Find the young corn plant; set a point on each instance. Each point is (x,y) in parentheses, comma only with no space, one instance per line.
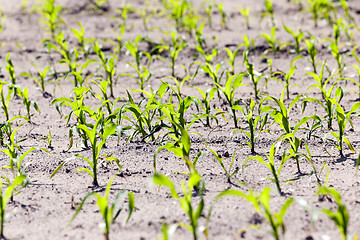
(287,76)
(109,210)
(83,43)
(298,37)
(261,204)
(341,216)
(343,118)
(5,196)
(146,15)
(205,105)
(269,11)
(42,80)
(104,97)
(328,104)
(5,99)
(208,10)
(229,173)
(256,122)
(177,44)
(144,119)
(245,12)
(16,166)
(270,163)
(180,146)
(143,72)
(109,65)
(223,15)
(281,117)
(24,94)
(51,17)
(252,75)
(274,43)
(310,43)
(96,146)
(186,201)
(215,74)
(11,70)
(232,83)
(231,59)
(78,109)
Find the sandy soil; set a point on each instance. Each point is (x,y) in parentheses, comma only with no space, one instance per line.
(43,209)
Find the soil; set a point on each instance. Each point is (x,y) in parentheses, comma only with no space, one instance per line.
(43,209)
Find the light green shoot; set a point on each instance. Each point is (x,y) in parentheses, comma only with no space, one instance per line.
(186,201)
(4,200)
(232,83)
(27,103)
(92,134)
(245,12)
(109,211)
(261,204)
(271,164)
(256,122)
(343,118)
(341,216)
(298,37)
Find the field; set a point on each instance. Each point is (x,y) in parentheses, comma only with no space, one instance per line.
(174,119)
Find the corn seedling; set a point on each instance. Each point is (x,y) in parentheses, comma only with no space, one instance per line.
(108,64)
(146,15)
(223,15)
(99,6)
(310,43)
(83,43)
(281,116)
(229,173)
(208,55)
(232,83)
(204,104)
(143,72)
(6,194)
(328,97)
(298,37)
(341,216)
(177,44)
(269,11)
(51,17)
(124,14)
(271,165)
(208,10)
(180,146)
(274,44)
(186,201)
(251,73)
(78,109)
(256,122)
(109,210)
(24,94)
(103,96)
(215,75)
(143,123)
(10,69)
(5,100)
(96,146)
(245,12)
(42,80)
(343,118)
(261,204)
(231,60)
(288,76)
